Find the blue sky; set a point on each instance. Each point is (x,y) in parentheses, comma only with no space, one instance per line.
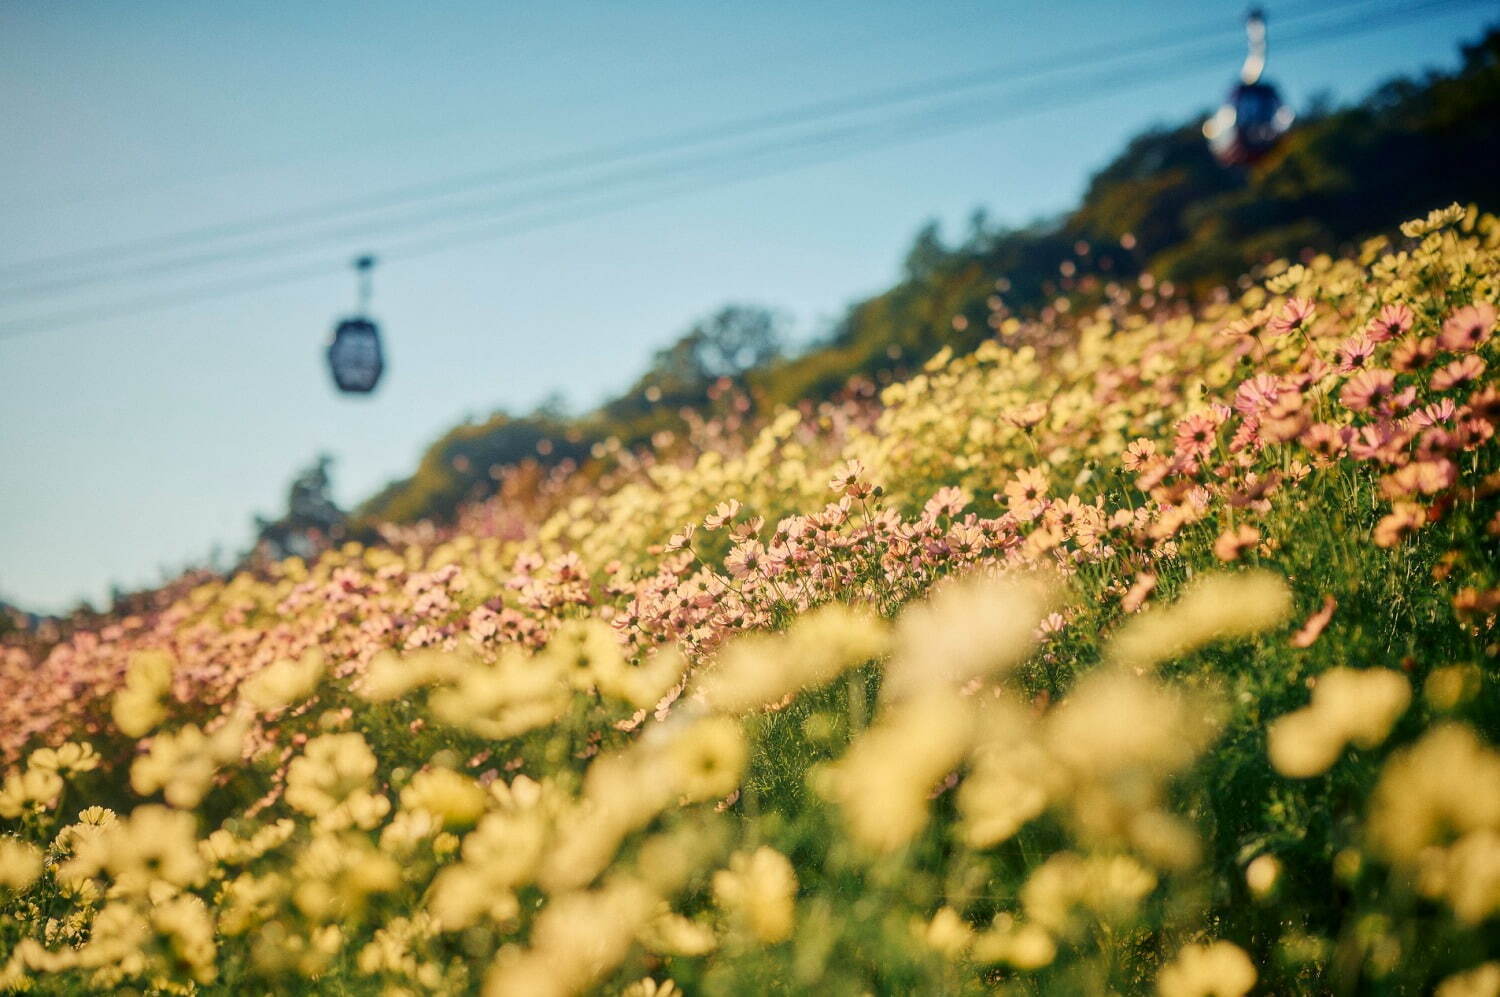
(137,442)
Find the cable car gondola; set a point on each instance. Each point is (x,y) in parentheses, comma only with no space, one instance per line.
(1253,117)
(354,355)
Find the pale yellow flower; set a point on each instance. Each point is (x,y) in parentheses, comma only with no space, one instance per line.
(67,759)
(285,682)
(760,888)
(707,758)
(1481,981)
(1221,606)
(20,864)
(331,768)
(1348,706)
(153,845)
(968,628)
(882,784)
(455,799)
(1218,969)
(33,787)
(648,987)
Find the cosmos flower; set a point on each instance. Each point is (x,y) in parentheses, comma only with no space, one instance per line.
(1294,317)
(1468,327)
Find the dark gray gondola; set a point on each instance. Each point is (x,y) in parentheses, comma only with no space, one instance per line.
(1253,117)
(355,357)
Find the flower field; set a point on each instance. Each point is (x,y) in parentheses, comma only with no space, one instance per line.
(1150,649)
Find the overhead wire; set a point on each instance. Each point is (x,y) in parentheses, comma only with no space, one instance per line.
(111,256)
(822,147)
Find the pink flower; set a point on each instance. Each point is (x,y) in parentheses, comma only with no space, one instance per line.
(1195,435)
(847,476)
(1459,373)
(1246,437)
(1140,590)
(1365,389)
(483,622)
(1435,414)
(1404,520)
(1427,477)
(1027,495)
(722,514)
(1353,354)
(946,502)
(1379,441)
(1027,415)
(1053,624)
(683,539)
(1468,327)
(745,559)
(1316,623)
(1413,354)
(1249,325)
(1232,543)
(1394,321)
(1068,513)
(1294,316)
(1256,394)
(1138,454)
(1485,403)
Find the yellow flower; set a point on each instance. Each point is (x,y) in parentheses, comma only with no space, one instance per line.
(706,759)
(1024,946)
(137,707)
(1222,606)
(647,987)
(452,798)
(1466,874)
(506,699)
(1262,875)
(34,787)
(1218,969)
(758,670)
(577,939)
(947,933)
(669,933)
(883,782)
(586,654)
(760,888)
(182,764)
(331,768)
(285,682)
(1451,685)
(1009,779)
(1446,784)
(644,685)
(154,845)
(136,710)
(1481,981)
(969,627)
(20,864)
(1348,706)
(1109,887)
(188,929)
(67,759)
(334,874)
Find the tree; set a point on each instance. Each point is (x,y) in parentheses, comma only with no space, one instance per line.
(312,522)
(733,340)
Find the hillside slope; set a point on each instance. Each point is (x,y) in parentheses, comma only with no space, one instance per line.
(1162,207)
(1158,651)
